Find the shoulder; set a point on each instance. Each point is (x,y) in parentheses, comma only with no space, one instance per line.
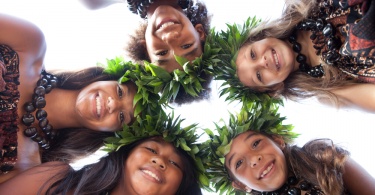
(34,179)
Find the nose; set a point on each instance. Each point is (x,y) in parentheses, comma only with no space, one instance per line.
(159,162)
(171,36)
(264,62)
(255,160)
(112,105)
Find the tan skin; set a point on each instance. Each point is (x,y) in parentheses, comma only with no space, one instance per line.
(64,107)
(255,151)
(154,155)
(262,64)
(169,32)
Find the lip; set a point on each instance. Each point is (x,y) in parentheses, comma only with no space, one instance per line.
(145,172)
(264,168)
(277,66)
(164,21)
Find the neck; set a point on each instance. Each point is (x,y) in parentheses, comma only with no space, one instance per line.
(60,107)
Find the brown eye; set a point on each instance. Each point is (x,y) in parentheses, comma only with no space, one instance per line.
(252,54)
(122,117)
(186,46)
(259,77)
(120,92)
(256,143)
(239,163)
(162,53)
(151,150)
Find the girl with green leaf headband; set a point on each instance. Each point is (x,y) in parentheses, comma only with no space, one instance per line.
(321,49)
(252,155)
(154,155)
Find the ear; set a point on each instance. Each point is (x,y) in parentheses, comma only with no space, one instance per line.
(199,28)
(279,141)
(239,186)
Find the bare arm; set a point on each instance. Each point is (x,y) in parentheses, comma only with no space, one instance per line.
(31,181)
(360,96)
(357,180)
(22,36)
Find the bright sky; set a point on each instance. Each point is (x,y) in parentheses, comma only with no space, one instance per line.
(77,37)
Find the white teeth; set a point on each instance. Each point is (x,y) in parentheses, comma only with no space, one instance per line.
(166,24)
(276,59)
(151,174)
(98,105)
(266,171)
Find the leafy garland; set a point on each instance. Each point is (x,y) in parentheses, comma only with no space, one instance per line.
(261,117)
(152,78)
(170,130)
(229,42)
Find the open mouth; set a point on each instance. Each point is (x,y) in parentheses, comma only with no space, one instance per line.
(267,170)
(276,59)
(151,174)
(166,23)
(98,105)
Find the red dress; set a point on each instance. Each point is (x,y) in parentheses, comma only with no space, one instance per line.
(9,97)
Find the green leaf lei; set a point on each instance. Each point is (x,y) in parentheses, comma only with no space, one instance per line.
(259,116)
(229,42)
(170,130)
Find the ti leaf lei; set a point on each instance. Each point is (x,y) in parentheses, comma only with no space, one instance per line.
(261,117)
(229,42)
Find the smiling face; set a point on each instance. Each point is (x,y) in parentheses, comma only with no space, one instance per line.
(265,63)
(170,32)
(106,105)
(257,162)
(153,167)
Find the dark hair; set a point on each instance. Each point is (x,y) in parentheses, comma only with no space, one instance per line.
(72,80)
(72,143)
(104,175)
(319,162)
(136,48)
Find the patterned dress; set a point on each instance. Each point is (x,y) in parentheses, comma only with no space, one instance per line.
(9,97)
(355,25)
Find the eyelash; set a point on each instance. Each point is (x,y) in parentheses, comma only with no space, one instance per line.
(258,76)
(162,53)
(239,163)
(119,91)
(252,54)
(256,143)
(186,46)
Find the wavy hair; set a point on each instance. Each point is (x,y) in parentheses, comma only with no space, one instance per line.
(319,162)
(104,176)
(298,85)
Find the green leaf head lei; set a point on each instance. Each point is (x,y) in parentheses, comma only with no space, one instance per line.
(259,116)
(230,41)
(169,128)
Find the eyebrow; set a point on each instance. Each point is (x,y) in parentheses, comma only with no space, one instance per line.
(247,137)
(190,52)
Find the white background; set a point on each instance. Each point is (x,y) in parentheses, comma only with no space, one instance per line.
(78,37)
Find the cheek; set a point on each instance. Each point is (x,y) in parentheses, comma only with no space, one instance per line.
(109,124)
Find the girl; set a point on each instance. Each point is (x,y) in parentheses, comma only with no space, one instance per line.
(317,48)
(152,161)
(84,99)
(259,159)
